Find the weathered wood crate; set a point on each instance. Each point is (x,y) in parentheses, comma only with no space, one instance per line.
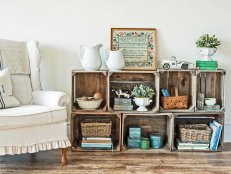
(196,118)
(126,80)
(182,81)
(210,84)
(149,124)
(86,83)
(80,117)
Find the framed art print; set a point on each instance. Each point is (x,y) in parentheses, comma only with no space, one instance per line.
(139,46)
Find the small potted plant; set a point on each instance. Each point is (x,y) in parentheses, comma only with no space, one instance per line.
(208,46)
(142,96)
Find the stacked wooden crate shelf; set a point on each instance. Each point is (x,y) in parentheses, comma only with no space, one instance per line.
(149,124)
(211,84)
(156,119)
(196,118)
(126,80)
(76,133)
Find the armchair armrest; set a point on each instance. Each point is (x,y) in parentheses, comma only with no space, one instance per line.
(50,98)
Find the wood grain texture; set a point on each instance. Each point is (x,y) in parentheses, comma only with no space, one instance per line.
(119,163)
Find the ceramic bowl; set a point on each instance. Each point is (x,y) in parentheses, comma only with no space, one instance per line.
(210,101)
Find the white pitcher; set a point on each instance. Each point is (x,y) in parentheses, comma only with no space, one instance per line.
(90,57)
(114,59)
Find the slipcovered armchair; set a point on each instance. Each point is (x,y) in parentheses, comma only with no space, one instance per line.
(31,119)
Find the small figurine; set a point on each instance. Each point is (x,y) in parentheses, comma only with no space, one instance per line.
(120,92)
(172,63)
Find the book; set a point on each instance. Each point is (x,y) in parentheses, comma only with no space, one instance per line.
(96,142)
(122,101)
(123,107)
(191,144)
(215,138)
(218,135)
(193,148)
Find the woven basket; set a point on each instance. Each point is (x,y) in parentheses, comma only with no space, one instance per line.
(96,128)
(176,102)
(194,133)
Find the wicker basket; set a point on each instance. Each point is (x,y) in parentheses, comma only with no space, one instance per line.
(176,102)
(96,128)
(194,133)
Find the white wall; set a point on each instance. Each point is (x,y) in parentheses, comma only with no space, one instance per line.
(61,26)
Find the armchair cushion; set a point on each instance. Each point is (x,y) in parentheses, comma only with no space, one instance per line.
(6,98)
(31,115)
(50,98)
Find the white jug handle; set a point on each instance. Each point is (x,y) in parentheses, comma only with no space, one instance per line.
(106,54)
(81,52)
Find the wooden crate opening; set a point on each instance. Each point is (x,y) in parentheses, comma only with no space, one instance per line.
(181,84)
(87,84)
(149,124)
(197,119)
(126,80)
(77,135)
(210,84)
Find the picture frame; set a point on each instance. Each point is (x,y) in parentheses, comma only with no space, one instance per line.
(139,46)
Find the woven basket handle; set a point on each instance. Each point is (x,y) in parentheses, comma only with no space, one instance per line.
(176,91)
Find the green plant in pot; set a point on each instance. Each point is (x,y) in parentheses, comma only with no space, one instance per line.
(208,46)
(142,96)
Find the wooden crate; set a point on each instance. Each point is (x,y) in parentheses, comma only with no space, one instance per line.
(86,83)
(149,123)
(126,80)
(76,135)
(197,118)
(211,84)
(184,81)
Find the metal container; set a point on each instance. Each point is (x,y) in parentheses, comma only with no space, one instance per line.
(156,141)
(133,142)
(145,144)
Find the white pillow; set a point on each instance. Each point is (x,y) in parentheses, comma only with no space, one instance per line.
(7,100)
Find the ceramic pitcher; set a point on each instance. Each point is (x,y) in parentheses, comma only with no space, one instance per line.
(114,59)
(90,57)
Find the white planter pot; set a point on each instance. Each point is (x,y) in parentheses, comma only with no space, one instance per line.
(142,102)
(207,53)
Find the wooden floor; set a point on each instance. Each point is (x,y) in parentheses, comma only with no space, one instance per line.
(116,163)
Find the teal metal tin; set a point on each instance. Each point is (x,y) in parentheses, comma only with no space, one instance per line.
(134,132)
(133,142)
(145,144)
(156,141)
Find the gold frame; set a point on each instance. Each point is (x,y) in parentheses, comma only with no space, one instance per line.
(150,33)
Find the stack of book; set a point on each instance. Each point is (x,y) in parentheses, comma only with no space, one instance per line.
(191,145)
(97,143)
(122,104)
(216,134)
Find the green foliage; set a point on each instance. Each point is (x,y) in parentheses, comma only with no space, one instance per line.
(143,91)
(208,41)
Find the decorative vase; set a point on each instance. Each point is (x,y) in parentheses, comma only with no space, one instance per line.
(142,102)
(207,53)
(90,57)
(114,60)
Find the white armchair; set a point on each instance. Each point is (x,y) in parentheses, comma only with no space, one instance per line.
(39,123)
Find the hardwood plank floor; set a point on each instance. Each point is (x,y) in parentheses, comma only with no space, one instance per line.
(119,162)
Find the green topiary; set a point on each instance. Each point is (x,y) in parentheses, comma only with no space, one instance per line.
(143,91)
(208,41)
